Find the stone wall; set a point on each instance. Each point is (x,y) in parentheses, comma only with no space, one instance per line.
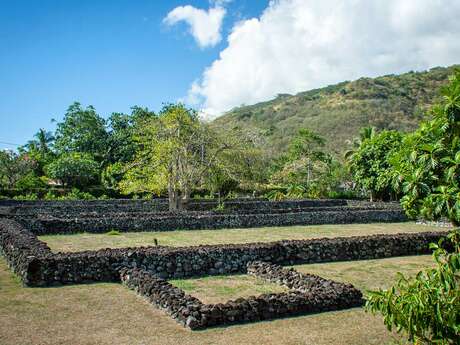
(37,266)
(290,278)
(54,217)
(167,221)
(22,251)
(72,208)
(317,295)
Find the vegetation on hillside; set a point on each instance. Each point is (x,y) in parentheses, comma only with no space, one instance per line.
(337,112)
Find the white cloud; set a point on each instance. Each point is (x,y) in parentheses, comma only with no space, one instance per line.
(205,26)
(297,45)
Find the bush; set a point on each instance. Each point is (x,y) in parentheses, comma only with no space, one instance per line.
(427,306)
(28,196)
(346,194)
(76,194)
(29,182)
(74,169)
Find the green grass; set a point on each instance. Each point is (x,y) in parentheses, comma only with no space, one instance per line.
(365,275)
(87,241)
(113,233)
(219,289)
(110,314)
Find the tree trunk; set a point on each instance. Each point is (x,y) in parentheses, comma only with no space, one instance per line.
(173,198)
(184,199)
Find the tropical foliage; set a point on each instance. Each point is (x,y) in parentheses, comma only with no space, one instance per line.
(429,167)
(306,170)
(371,166)
(427,306)
(74,169)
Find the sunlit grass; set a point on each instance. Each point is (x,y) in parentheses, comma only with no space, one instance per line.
(87,241)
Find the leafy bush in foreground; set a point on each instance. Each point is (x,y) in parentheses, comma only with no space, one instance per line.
(427,306)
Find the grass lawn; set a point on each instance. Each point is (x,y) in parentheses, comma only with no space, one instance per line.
(364,275)
(219,289)
(112,314)
(87,241)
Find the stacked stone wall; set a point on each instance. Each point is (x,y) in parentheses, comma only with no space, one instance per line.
(37,266)
(318,295)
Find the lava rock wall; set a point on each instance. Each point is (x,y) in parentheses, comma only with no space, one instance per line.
(317,295)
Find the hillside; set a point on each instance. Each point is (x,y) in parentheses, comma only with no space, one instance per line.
(338,111)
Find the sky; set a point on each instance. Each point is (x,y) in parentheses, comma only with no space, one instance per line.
(212,55)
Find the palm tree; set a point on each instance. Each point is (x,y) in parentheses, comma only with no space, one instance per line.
(42,142)
(364,134)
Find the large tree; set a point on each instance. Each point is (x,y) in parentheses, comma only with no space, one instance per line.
(40,149)
(74,169)
(121,129)
(179,153)
(82,130)
(305,170)
(176,151)
(429,168)
(371,165)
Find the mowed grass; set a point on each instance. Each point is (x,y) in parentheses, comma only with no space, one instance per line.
(219,289)
(364,275)
(106,314)
(87,241)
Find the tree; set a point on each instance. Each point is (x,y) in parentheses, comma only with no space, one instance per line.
(40,150)
(13,167)
(242,161)
(42,142)
(429,167)
(306,146)
(121,145)
(82,130)
(176,151)
(371,167)
(179,153)
(302,171)
(364,133)
(74,169)
(426,306)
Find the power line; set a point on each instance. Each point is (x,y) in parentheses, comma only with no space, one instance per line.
(7,143)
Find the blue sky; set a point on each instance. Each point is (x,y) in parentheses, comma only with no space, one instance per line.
(112,54)
(212,54)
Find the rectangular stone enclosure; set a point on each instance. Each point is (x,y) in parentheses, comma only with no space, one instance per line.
(307,294)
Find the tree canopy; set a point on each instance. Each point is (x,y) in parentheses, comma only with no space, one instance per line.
(82,130)
(429,169)
(371,167)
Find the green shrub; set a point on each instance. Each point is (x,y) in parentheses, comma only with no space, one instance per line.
(30,181)
(74,169)
(113,232)
(220,207)
(346,194)
(28,196)
(76,194)
(426,307)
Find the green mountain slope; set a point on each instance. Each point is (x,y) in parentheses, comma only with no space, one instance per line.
(338,111)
